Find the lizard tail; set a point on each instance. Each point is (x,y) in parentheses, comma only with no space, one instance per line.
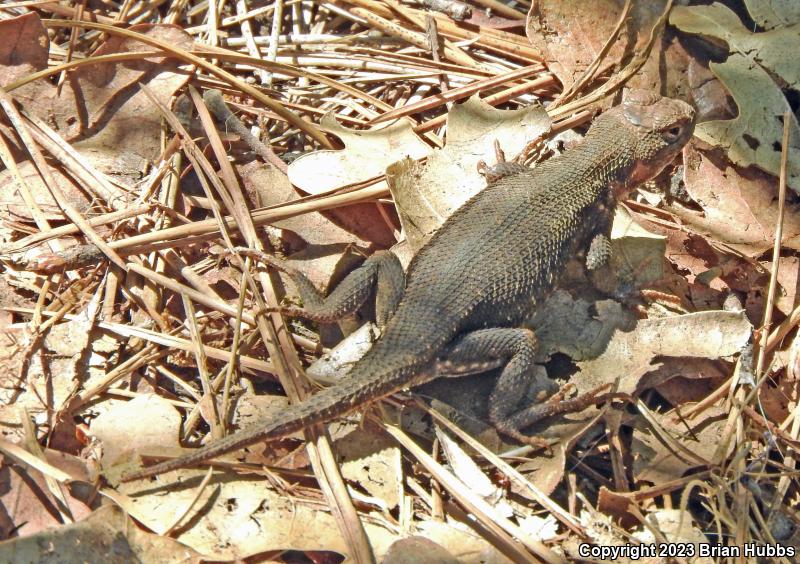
(350,393)
(398,360)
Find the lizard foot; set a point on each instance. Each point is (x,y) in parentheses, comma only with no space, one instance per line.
(555,405)
(559,406)
(501,169)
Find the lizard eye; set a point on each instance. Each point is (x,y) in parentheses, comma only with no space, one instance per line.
(671,134)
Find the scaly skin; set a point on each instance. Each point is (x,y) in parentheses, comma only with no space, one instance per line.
(486,268)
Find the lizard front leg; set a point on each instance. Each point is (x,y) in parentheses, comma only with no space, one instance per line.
(514,349)
(599,252)
(381,275)
(597,259)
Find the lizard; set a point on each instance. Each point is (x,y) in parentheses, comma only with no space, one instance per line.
(460,306)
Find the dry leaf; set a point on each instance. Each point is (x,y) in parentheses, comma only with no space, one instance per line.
(789,282)
(629,355)
(28,506)
(773,13)
(636,256)
(418,549)
(238,517)
(473,478)
(426,194)
(144,422)
(461,541)
(48,380)
(366,155)
(625,354)
(738,209)
(684,380)
(100,110)
(754,137)
(15,207)
(373,462)
(677,527)
(336,362)
(571,34)
(656,461)
(567,325)
(357,224)
(107,535)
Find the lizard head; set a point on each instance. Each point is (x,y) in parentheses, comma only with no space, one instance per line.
(659,128)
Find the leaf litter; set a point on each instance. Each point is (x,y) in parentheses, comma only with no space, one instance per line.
(757,70)
(104,382)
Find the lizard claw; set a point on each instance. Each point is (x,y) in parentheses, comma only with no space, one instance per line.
(502,168)
(561,394)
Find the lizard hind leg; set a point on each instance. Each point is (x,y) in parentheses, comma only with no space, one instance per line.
(381,275)
(519,381)
(514,350)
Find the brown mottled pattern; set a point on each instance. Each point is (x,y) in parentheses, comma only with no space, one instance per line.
(493,259)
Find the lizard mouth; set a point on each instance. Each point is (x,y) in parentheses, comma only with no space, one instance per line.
(641,173)
(644,170)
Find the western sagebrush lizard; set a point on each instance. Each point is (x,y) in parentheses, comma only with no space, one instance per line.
(470,287)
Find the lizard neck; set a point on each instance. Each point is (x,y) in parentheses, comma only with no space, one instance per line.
(601,163)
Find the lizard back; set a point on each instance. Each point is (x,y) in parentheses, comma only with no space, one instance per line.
(506,247)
